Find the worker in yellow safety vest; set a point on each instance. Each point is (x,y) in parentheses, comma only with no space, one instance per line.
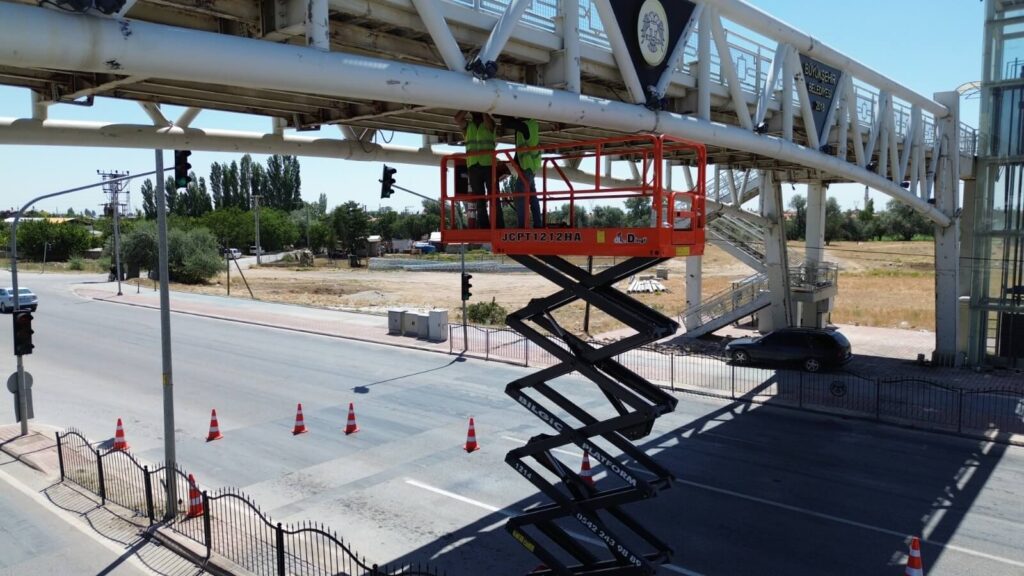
(529,161)
(480,143)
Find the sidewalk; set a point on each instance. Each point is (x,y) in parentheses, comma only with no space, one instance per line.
(149,549)
(336,323)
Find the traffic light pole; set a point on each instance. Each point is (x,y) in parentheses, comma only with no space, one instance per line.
(22,392)
(407,191)
(170,457)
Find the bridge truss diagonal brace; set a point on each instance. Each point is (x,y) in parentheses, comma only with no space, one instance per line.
(635,404)
(155,50)
(485,64)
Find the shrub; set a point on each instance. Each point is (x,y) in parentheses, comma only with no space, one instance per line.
(487,313)
(76,263)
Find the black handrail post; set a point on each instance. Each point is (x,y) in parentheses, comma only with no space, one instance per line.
(99,469)
(960,412)
(800,391)
(60,456)
(149,494)
(878,399)
(732,380)
(207,533)
(280,550)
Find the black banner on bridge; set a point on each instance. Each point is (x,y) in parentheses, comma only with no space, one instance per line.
(822,83)
(652,29)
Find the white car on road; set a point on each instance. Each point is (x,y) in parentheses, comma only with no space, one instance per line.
(26,299)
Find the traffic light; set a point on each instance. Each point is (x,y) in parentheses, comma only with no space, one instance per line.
(466,286)
(23,333)
(181,168)
(386,181)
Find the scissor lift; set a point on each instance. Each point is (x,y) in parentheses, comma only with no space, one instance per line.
(607,432)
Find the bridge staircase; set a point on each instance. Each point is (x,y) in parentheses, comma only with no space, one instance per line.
(741,235)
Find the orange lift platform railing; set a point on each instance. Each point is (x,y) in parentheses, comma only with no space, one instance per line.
(628,546)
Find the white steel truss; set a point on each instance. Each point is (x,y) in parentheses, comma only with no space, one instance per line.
(133,53)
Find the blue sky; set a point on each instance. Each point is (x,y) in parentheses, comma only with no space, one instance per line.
(927,45)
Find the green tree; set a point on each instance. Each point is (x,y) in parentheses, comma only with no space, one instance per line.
(638,212)
(903,222)
(217,185)
(277,229)
(608,217)
(796,227)
(63,240)
(231,188)
(193,257)
(385,224)
(233,227)
(245,180)
(833,220)
(148,200)
(139,247)
(351,225)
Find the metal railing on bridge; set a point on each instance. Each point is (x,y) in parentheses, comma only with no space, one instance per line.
(752,60)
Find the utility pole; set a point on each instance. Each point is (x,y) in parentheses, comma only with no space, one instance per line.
(256,217)
(114,190)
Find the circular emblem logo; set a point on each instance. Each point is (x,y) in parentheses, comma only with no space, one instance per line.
(652,32)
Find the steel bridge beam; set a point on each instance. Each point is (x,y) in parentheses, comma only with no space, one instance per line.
(39,38)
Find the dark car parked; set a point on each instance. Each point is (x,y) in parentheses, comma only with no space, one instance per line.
(813,349)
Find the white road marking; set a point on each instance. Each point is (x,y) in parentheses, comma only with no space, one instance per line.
(506,512)
(832,518)
(854,523)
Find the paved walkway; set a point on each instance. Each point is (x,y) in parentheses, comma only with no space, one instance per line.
(352,325)
(878,352)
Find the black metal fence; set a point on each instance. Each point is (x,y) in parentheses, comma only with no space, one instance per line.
(231,524)
(912,402)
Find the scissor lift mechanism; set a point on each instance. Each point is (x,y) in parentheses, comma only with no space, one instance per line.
(628,547)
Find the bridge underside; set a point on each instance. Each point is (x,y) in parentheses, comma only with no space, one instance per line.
(761,96)
(535,54)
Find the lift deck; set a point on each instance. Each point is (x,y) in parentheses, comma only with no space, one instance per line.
(676,229)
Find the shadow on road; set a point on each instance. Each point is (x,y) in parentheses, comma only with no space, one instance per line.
(119,530)
(765,490)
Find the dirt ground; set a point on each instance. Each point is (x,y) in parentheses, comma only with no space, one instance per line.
(884,284)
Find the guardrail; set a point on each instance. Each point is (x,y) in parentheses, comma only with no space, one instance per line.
(231,523)
(906,401)
(752,60)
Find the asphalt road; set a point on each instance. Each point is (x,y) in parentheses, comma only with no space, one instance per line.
(761,490)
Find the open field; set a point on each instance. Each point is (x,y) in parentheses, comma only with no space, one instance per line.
(885,284)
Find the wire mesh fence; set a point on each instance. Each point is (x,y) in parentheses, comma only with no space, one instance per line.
(227,523)
(905,401)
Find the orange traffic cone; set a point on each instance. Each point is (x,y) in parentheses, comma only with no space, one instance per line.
(214,427)
(119,442)
(471,445)
(586,474)
(351,427)
(300,423)
(914,566)
(195,499)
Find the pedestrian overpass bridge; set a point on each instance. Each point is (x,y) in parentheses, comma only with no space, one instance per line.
(770,103)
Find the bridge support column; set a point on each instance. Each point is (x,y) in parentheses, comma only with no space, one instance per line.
(815,249)
(947,187)
(778,314)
